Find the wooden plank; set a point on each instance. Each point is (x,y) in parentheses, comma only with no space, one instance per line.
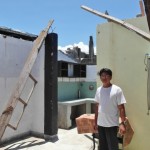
(22,101)
(6,116)
(120,22)
(35,81)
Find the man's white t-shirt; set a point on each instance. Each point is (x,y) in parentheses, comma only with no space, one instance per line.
(109,99)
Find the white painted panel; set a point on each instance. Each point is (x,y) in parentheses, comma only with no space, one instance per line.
(77,79)
(13,54)
(59,79)
(91,73)
(72,79)
(65,79)
(70,70)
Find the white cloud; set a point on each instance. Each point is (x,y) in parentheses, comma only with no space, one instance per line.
(84,47)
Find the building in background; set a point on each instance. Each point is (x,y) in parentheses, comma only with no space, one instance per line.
(75,78)
(82,57)
(77,73)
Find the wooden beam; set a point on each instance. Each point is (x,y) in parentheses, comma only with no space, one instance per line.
(128,26)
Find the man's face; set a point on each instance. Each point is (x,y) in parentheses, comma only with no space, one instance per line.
(105,78)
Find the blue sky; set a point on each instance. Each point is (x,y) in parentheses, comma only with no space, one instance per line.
(71,23)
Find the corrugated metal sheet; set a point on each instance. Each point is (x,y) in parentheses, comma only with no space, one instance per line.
(63,57)
(17,34)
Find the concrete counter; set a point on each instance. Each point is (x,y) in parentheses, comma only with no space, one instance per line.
(69,110)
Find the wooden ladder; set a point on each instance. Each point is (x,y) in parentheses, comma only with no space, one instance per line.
(24,75)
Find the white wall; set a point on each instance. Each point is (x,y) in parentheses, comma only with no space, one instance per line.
(91,73)
(13,54)
(123,51)
(70,70)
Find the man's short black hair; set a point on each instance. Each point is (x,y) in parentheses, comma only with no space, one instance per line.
(105,70)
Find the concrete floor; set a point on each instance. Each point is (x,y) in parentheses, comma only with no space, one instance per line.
(68,140)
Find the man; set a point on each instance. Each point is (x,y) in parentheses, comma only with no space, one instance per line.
(110,105)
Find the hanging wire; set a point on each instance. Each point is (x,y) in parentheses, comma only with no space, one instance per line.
(53,29)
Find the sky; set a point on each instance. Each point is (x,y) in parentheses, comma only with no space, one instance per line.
(72,24)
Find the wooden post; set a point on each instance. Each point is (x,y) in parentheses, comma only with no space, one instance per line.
(51,98)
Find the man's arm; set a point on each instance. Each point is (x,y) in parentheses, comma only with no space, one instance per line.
(96,115)
(122,112)
(123,118)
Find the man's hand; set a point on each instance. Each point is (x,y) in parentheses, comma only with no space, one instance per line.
(122,129)
(96,115)
(96,127)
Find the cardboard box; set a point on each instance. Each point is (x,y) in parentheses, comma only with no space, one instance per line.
(85,123)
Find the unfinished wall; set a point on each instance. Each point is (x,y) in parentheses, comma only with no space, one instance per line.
(123,51)
(13,54)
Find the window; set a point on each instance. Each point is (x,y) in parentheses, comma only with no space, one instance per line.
(71,70)
(62,69)
(80,70)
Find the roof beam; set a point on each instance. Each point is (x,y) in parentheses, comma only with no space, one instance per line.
(120,22)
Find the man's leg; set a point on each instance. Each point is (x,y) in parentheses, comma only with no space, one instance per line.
(111,136)
(102,139)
